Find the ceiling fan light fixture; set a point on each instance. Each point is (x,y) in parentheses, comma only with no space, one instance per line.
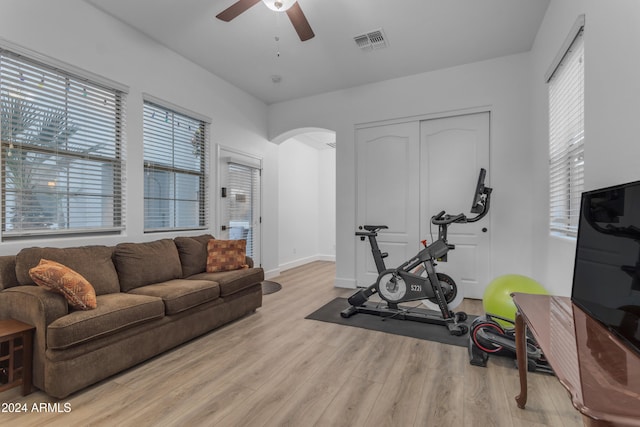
(291,7)
(279,5)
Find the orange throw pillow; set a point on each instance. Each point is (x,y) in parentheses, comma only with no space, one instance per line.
(56,277)
(225,255)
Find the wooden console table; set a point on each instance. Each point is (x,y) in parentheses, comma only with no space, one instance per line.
(16,355)
(601,374)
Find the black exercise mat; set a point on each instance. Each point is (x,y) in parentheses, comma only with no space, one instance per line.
(330,312)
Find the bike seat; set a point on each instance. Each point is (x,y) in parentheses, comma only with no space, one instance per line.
(374,227)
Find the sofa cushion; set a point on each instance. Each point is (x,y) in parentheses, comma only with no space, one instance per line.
(233,281)
(180,294)
(193,253)
(140,264)
(115,312)
(225,255)
(58,278)
(92,262)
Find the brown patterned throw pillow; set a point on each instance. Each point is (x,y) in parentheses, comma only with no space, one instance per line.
(56,277)
(225,255)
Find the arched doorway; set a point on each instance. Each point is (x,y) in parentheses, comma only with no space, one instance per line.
(307,190)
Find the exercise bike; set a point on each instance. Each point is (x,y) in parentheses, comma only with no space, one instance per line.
(417,279)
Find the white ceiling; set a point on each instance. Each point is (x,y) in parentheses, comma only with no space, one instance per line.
(422,35)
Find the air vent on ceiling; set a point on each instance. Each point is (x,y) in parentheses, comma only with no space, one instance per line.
(371,40)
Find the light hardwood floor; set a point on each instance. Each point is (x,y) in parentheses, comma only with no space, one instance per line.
(275,368)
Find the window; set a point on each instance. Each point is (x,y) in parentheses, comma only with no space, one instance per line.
(175,165)
(62,149)
(243,204)
(566,138)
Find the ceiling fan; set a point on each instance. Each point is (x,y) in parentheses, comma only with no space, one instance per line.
(294,12)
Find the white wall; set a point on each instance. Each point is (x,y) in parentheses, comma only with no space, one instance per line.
(306,204)
(79,34)
(501,85)
(327,205)
(612,108)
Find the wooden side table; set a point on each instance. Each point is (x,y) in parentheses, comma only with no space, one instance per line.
(16,355)
(600,373)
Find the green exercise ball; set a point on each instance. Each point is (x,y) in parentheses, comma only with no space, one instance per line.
(497,297)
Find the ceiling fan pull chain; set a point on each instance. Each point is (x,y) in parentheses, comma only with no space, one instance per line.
(278,35)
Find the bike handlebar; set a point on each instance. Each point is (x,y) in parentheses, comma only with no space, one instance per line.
(437,216)
(442,219)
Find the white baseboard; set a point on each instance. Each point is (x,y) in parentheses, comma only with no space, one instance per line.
(272,273)
(345,283)
(302,261)
(339,282)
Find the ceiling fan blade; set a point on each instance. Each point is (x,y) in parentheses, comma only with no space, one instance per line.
(300,22)
(236,9)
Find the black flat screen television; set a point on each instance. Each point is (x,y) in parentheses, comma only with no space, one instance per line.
(606,277)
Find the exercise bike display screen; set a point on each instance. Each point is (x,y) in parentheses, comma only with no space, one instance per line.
(479,195)
(606,278)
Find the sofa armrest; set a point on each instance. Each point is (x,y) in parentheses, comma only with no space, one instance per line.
(33,305)
(37,307)
(249,261)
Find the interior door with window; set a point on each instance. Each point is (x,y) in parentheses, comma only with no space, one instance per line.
(240,189)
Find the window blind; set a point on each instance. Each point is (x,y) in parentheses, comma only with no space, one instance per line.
(175,165)
(62,150)
(566,140)
(243,208)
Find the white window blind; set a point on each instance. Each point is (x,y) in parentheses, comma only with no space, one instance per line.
(175,165)
(566,139)
(62,150)
(243,208)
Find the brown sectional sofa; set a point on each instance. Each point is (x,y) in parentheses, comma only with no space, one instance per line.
(150,297)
